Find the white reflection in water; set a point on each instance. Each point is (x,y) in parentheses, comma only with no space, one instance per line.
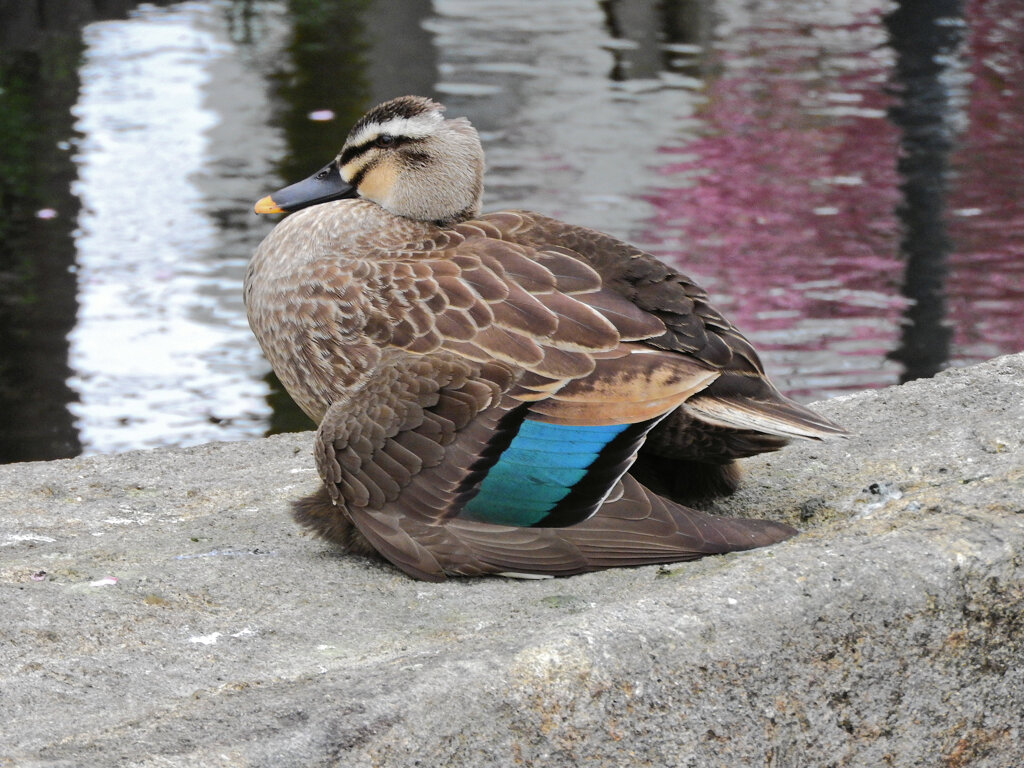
(154,299)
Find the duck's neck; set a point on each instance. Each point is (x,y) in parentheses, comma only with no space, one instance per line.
(470,212)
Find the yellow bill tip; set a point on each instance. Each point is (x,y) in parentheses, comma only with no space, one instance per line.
(267,205)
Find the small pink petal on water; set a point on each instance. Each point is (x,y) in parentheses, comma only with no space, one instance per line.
(321,115)
(46,213)
(106,581)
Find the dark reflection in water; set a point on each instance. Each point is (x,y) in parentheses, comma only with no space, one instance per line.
(372,51)
(657,37)
(926,35)
(40,50)
(40,46)
(325,38)
(38,85)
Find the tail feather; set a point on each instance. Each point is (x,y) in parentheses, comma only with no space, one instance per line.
(779,416)
(639,528)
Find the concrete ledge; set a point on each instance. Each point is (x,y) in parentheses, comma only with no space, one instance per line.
(890,633)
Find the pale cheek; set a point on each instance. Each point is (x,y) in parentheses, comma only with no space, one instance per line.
(378,183)
(350,170)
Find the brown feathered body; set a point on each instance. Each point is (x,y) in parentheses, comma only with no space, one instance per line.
(491,389)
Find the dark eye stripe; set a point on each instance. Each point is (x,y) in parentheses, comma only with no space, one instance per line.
(350,153)
(356,180)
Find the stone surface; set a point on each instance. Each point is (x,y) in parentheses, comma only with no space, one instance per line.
(889,634)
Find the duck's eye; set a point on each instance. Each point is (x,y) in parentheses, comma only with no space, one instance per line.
(387,140)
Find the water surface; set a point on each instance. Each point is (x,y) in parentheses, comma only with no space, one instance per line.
(848,183)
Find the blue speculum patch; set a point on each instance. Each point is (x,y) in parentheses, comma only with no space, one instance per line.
(537,470)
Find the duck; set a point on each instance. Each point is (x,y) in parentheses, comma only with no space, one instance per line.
(500,393)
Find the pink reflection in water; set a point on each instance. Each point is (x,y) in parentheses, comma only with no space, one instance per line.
(986,287)
(786,207)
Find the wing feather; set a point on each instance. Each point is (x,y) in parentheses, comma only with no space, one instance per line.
(479,336)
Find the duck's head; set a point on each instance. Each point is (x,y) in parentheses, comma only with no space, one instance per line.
(404,156)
